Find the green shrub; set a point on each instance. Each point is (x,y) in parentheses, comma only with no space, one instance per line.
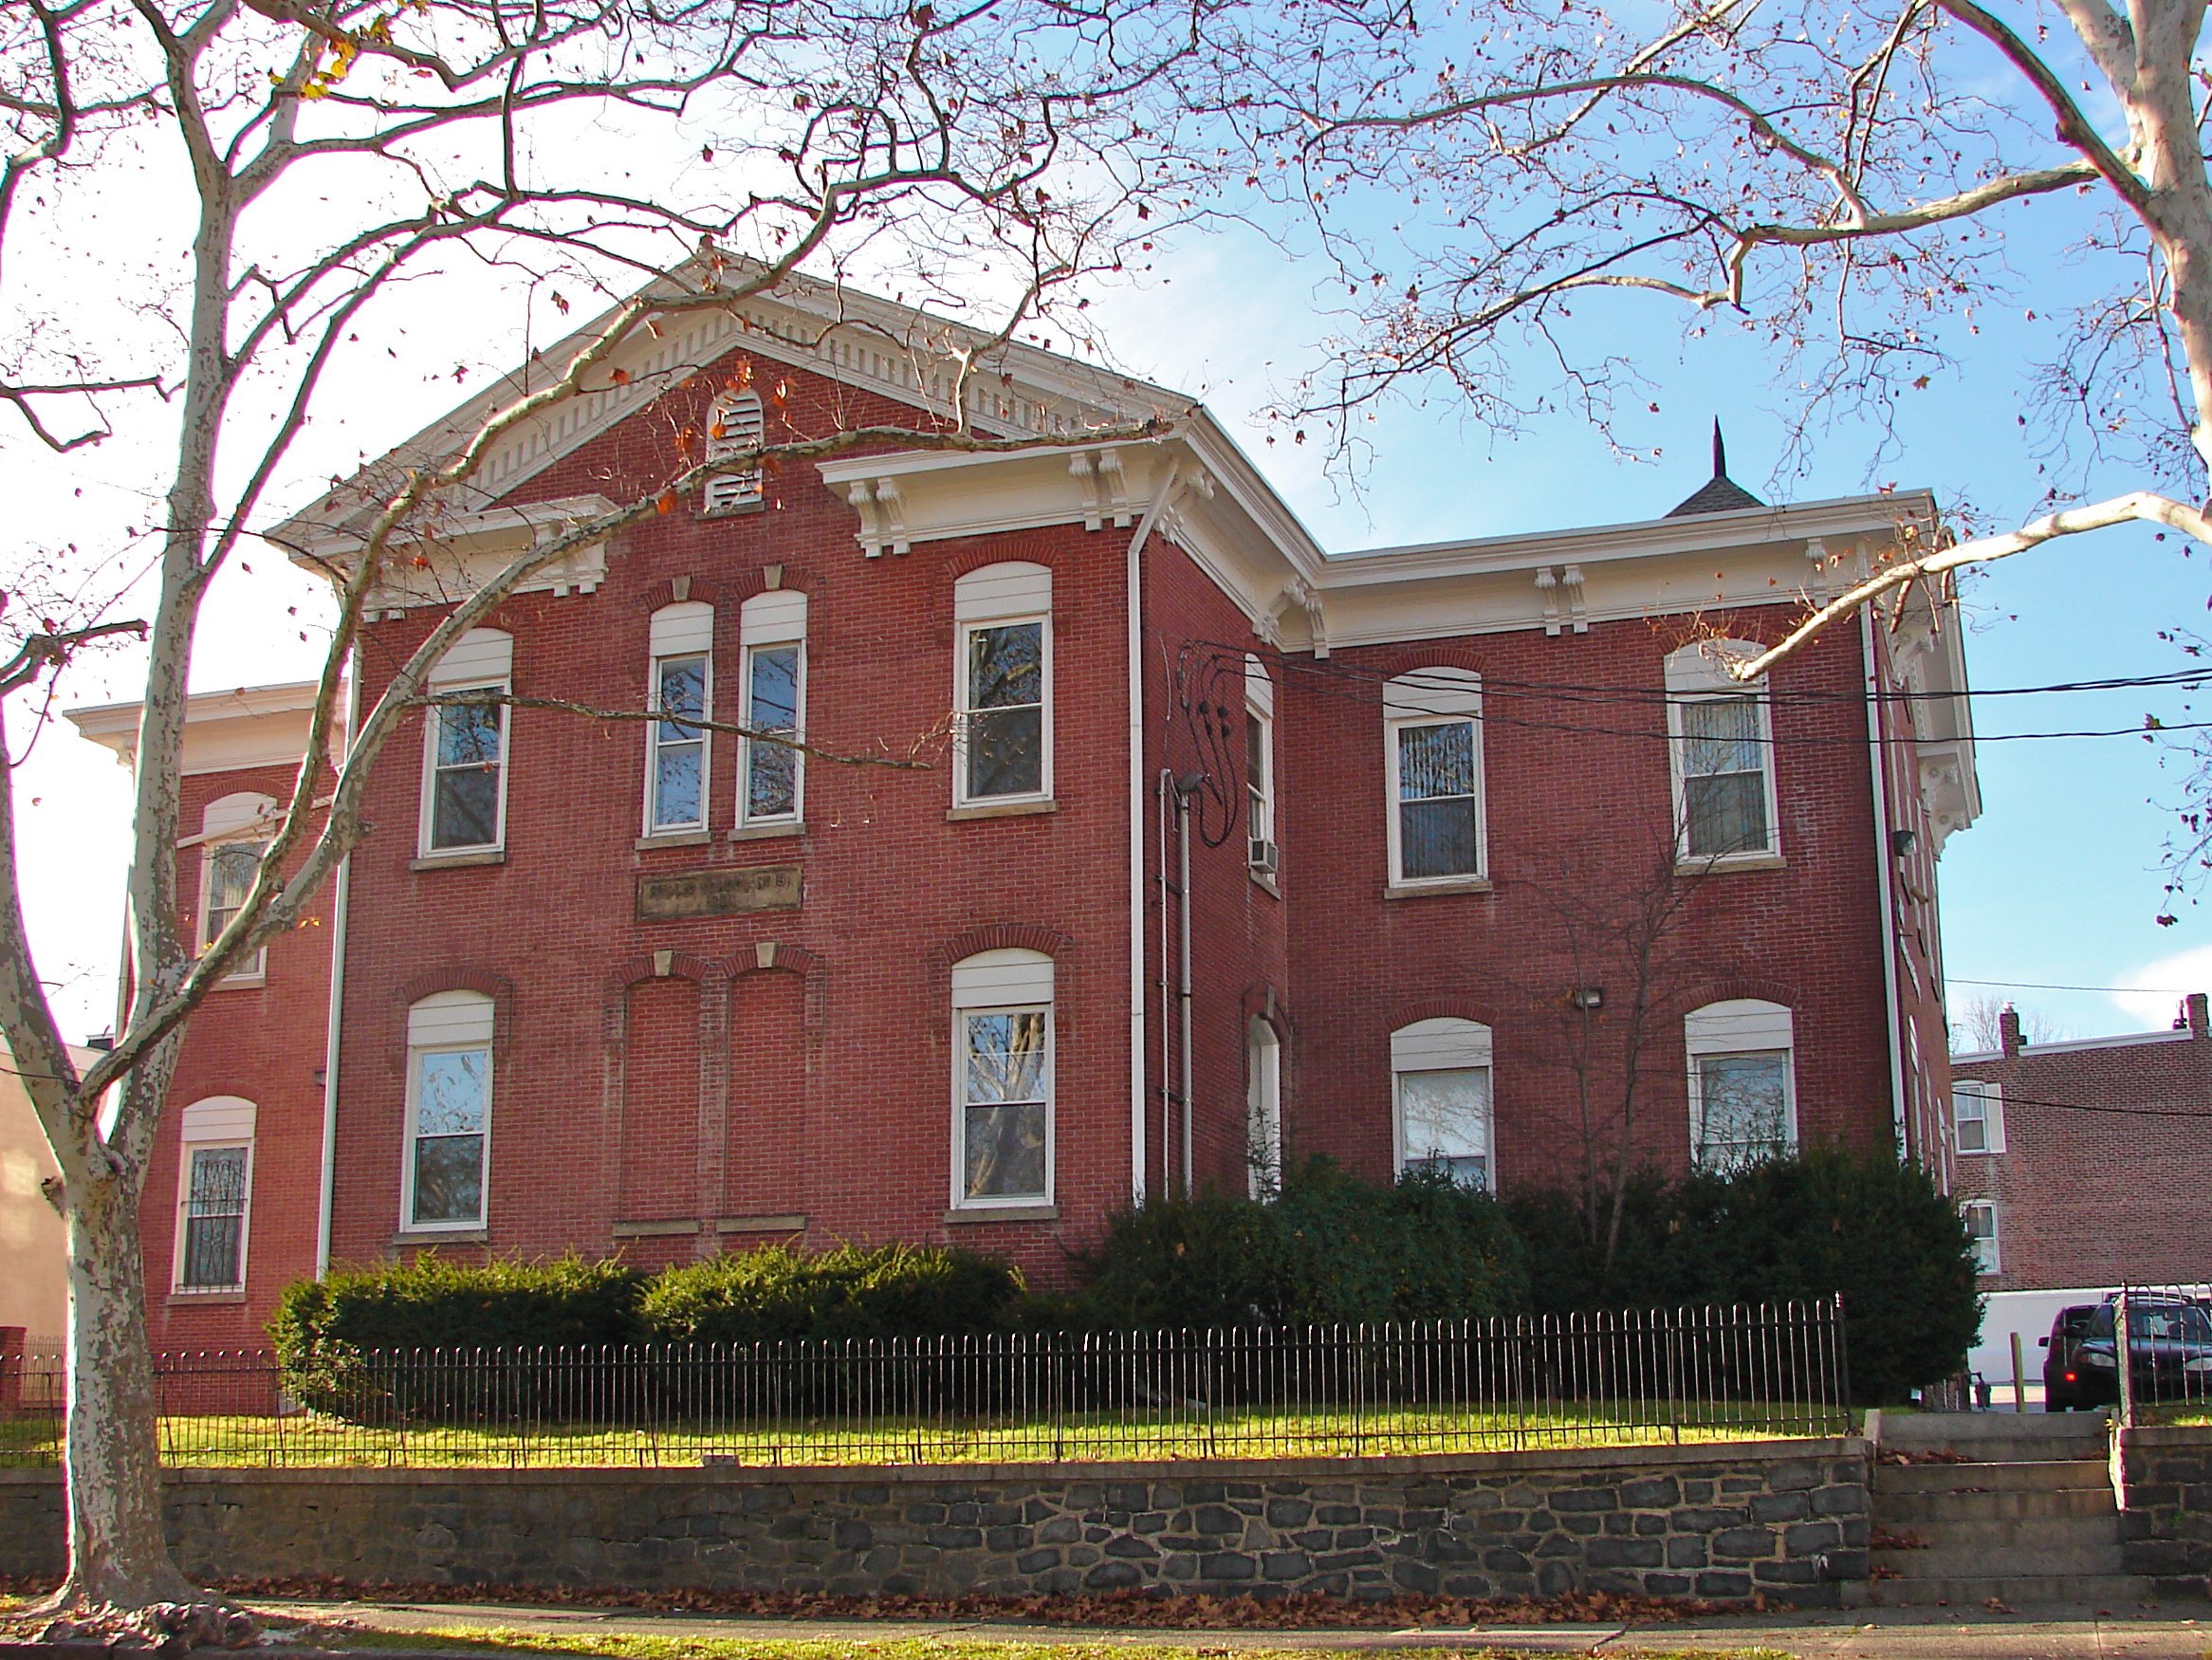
(774,1294)
(1797,1229)
(1333,1249)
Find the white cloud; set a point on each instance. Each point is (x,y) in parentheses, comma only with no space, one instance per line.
(2159,987)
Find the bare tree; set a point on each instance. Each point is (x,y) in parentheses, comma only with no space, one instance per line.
(1838,178)
(1982,1029)
(349,161)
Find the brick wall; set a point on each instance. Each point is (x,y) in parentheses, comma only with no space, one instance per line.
(2100,1182)
(1783,1520)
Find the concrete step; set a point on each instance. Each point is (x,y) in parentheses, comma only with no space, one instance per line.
(1966,1431)
(2041,1533)
(1948,1509)
(1949,1562)
(2103,1590)
(2055,1477)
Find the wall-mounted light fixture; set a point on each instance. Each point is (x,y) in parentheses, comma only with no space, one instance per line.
(1586,997)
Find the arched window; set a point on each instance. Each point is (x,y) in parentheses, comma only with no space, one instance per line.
(463,764)
(1440,1087)
(1723,749)
(772,631)
(1002,1080)
(681,684)
(1002,684)
(215,1190)
(1263,1109)
(1743,1085)
(1433,735)
(734,427)
(234,833)
(449,1112)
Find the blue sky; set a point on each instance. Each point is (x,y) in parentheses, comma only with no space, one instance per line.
(2059,884)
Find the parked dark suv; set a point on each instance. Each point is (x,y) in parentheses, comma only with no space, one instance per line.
(2169,1352)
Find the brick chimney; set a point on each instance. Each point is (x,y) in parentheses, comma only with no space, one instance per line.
(2008,1030)
(2193,1011)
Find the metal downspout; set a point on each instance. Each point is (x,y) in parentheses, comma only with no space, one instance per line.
(1878,766)
(1133,601)
(341,886)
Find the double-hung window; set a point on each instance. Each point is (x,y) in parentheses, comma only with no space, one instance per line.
(232,834)
(681,693)
(1980,1216)
(1434,758)
(466,754)
(449,1112)
(215,1186)
(1260,764)
(1002,687)
(1742,1086)
(1978,1115)
(1002,1080)
(1263,1110)
(1722,750)
(772,630)
(734,428)
(1439,1085)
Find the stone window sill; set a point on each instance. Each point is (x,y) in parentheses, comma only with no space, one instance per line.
(744,509)
(1728,862)
(1265,882)
(207,1298)
(404,1240)
(1000,810)
(674,839)
(671,1229)
(1423,890)
(966,1213)
(443,862)
(767,832)
(240,982)
(788,1222)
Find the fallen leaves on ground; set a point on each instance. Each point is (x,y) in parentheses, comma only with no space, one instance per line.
(1149,1609)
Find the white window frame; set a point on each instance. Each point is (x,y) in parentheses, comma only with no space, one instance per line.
(1445,1043)
(212,1125)
(774,620)
(448,1022)
(1007,980)
(480,660)
(1001,596)
(1263,1110)
(744,424)
(1991,1095)
(1739,1027)
(1699,674)
(229,821)
(1988,1251)
(676,633)
(1260,747)
(1433,698)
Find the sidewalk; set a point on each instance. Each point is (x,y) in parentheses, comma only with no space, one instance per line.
(2055,1633)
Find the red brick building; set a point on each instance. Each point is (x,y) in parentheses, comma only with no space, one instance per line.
(2083,1164)
(1138,843)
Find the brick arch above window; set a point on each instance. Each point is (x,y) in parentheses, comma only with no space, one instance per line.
(1021,547)
(1734,989)
(1265,1002)
(780,958)
(999,936)
(1441,1008)
(698,590)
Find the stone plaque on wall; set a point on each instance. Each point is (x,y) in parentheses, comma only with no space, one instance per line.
(722,893)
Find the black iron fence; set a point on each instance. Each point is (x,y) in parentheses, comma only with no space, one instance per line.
(2168,1372)
(1709,1373)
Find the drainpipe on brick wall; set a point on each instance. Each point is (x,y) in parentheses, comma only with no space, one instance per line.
(1134,601)
(1877,763)
(340,885)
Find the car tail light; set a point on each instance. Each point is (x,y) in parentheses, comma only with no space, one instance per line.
(2071,1378)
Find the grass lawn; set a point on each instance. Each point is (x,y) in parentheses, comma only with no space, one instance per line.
(625,1646)
(307,1440)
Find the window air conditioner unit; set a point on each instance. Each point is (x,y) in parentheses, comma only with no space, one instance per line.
(1262,856)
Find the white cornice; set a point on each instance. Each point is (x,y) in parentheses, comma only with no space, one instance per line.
(224,731)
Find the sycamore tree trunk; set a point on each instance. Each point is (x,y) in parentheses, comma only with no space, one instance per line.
(118,1552)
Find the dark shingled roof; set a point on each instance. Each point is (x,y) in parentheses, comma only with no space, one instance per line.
(1719,493)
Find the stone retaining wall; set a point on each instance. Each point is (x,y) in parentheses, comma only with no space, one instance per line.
(2164,1481)
(1786,1519)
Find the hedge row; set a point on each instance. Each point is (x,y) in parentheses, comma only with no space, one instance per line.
(1331,1249)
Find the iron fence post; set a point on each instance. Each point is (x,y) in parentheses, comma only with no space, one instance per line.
(2124,1357)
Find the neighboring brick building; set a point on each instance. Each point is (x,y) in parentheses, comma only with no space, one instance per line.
(606,986)
(2086,1165)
